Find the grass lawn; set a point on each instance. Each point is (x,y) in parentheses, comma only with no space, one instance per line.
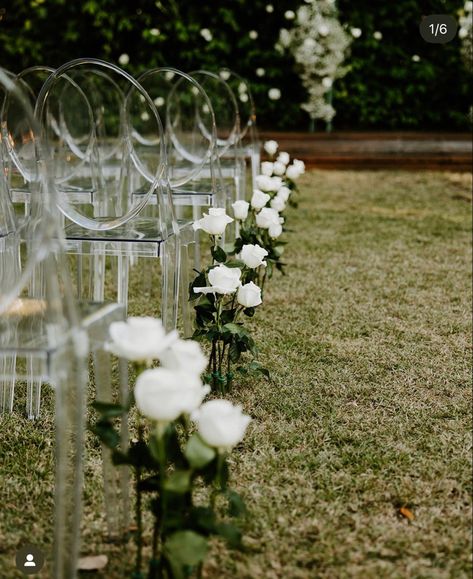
(368,339)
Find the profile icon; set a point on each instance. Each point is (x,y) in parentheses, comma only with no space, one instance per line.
(29,559)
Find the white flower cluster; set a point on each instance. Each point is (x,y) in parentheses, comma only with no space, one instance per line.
(175,388)
(319,45)
(465,33)
(270,197)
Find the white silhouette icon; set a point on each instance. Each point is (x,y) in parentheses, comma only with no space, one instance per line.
(29,561)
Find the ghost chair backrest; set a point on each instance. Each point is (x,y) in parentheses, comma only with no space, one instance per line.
(35,241)
(100,107)
(189,122)
(246,106)
(225,108)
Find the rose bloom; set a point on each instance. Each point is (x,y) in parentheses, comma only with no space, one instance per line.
(278,204)
(221,424)
(240,209)
(223,280)
(253,255)
(267,168)
(139,339)
(259,199)
(184,355)
(271,147)
(267,217)
(213,223)
(249,295)
(283,158)
(264,183)
(163,395)
(284,193)
(275,230)
(300,165)
(279,168)
(276,183)
(293,172)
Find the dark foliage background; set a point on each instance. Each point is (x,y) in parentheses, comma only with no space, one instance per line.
(385,88)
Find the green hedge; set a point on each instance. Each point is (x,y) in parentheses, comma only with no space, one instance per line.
(385,88)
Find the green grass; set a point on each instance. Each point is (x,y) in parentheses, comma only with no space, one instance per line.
(368,339)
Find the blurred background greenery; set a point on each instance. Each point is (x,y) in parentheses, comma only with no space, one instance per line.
(397,81)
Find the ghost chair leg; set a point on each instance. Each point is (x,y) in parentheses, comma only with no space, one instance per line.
(69,376)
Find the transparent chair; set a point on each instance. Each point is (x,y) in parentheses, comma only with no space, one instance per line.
(94,318)
(48,328)
(231,166)
(106,179)
(190,138)
(250,145)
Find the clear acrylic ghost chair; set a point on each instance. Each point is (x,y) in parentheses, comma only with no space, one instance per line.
(250,145)
(227,118)
(48,328)
(95,318)
(193,165)
(110,219)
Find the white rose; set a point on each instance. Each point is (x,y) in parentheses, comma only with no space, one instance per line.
(163,395)
(240,209)
(267,168)
(278,204)
(276,183)
(221,424)
(284,193)
(253,255)
(267,217)
(214,223)
(300,165)
(271,147)
(275,230)
(184,355)
(283,157)
(293,172)
(223,280)
(279,168)
(139,339)
(259,199)
(249,295)
(264,183)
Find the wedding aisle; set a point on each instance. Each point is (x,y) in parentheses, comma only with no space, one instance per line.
(356,463)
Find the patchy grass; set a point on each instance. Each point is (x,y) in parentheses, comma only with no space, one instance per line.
(368,338)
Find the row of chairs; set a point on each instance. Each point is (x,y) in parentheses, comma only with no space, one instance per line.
(106,168)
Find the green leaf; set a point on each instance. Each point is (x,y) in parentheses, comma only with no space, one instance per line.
(230,533)
(234,329)
(234,353)
(235,263)
(106,433)
(178,482)
(250,312)
(198,453)
(219,254)
(108,409)
(185,549)
(236,505)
